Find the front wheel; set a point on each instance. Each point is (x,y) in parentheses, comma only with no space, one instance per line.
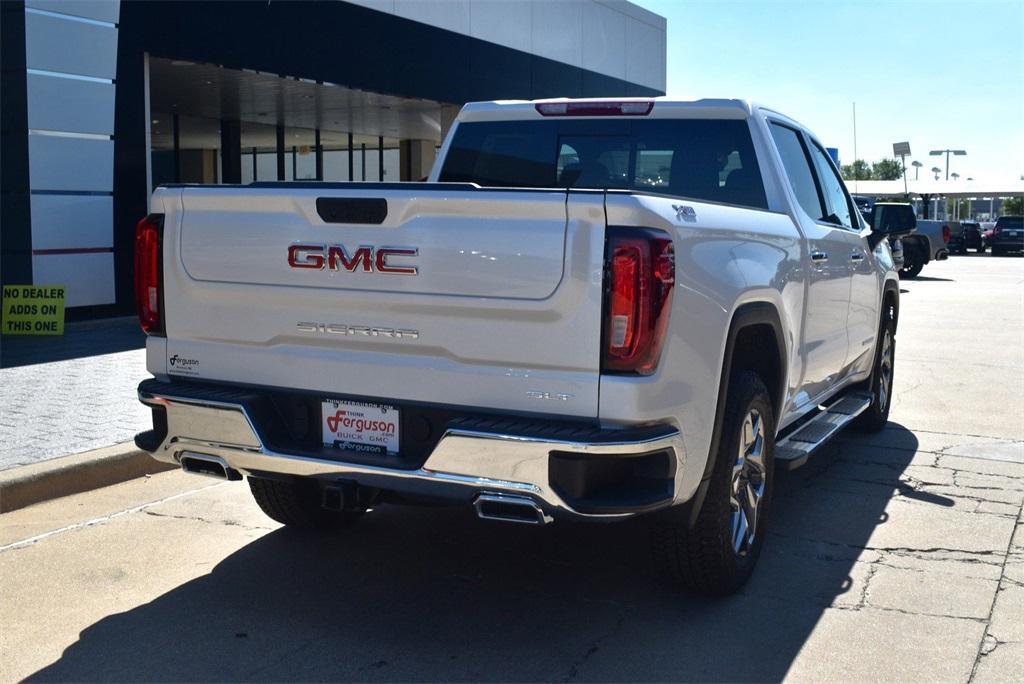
(876,416)
(913,261)
(717,555)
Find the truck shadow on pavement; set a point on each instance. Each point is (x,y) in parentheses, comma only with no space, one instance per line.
(434,594)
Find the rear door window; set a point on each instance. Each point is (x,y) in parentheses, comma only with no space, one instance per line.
(798,169)
(702,159)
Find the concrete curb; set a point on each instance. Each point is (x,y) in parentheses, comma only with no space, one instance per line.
(26,485)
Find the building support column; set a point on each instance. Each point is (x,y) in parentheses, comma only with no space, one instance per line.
(231,151)
(416,157)
(318,150)
(351,158)
(280,153)
(448,114)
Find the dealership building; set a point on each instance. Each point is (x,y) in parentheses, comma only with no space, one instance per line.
(103,100)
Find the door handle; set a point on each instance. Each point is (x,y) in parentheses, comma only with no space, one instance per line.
(856,256)
(819,257)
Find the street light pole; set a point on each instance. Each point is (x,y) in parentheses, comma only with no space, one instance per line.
(957,153)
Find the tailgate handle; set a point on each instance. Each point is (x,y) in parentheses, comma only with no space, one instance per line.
(352,209)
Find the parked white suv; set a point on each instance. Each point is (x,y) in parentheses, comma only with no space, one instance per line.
(592,310)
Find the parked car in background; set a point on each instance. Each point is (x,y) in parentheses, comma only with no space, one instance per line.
(1007,235)
(966,235)
(865,205)
(929,242)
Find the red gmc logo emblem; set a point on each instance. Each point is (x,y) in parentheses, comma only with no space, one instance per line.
(366,258)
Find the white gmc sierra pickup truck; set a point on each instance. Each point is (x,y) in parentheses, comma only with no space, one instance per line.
(591,310)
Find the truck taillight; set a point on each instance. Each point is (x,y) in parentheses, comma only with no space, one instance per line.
(148,273)
(639,281)
(945,234)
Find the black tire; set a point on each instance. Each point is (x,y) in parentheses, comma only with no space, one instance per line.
(981,250)
(880,383)
(703,558)
(297,503)
(996,251)
(913,261)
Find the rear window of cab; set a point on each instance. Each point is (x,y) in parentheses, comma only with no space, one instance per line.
(702,159)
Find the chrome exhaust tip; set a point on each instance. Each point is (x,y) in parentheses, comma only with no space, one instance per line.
(209,466)
(510,508)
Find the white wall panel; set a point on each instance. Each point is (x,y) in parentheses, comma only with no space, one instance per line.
(557,30)
(70,105)
(611,37)
(604,40)
(72,221)
(645,54)
(447,14)
(100,10)
(59,163)
(89,278)
(505,22)
(68,46)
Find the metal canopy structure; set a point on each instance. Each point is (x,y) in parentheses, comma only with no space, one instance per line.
(926,187)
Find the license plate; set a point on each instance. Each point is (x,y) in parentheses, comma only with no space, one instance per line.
(353,426)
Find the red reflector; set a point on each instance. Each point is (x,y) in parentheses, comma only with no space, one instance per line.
(608,108)
(147,273)
(641,278)
(945,233)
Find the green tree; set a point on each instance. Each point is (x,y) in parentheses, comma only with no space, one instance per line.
(858,170)
(887,169)
(1012,206)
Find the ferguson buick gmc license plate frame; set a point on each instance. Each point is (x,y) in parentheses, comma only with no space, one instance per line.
(355,426)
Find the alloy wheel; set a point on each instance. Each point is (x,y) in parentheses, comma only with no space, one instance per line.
(885,365)
(748,483)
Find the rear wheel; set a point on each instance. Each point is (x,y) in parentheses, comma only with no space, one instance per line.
(718,554)
(298,504)
(879,384)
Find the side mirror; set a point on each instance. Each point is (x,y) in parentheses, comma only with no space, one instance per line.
(890,219)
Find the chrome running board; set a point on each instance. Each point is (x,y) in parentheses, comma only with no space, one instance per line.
(793,450)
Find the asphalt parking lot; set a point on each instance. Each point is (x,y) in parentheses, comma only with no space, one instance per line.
(893,556)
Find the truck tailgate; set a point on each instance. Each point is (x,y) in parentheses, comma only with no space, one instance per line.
(481,298)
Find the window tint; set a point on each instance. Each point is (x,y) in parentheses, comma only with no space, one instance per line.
(797,169)
(837,205)
(701,159)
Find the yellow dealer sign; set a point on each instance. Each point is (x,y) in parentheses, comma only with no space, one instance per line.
(33,310)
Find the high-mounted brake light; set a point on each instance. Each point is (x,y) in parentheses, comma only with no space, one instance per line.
(603,108)
(148,273)
(639,282)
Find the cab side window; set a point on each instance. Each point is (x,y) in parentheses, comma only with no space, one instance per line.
(837,203)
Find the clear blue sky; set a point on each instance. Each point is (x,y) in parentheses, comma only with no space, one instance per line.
(937,74)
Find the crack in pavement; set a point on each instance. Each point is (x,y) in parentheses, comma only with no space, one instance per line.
(103,519)
(595,646)
(992,608)
(227,523)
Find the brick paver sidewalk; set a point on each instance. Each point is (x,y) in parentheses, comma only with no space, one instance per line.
(56,408)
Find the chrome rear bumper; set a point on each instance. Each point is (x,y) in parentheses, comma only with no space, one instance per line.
(464,465)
